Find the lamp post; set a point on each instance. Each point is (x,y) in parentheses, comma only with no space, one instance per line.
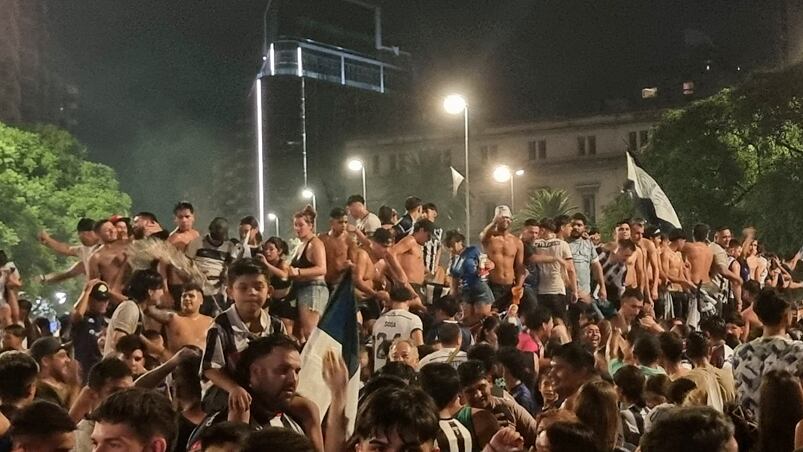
(275,219)
(502,174)
(455,104)
(307,193)
(358,165)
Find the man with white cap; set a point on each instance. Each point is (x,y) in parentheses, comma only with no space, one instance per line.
(506,251)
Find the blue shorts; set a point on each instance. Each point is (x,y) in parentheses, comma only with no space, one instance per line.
(313,296)
(477,293)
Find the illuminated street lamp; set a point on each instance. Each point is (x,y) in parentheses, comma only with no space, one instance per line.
(502,174)
(307,193)
(275,219)
(455,104)
(358,165)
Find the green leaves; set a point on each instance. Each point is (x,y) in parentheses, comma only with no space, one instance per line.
(45,183)
(544,203)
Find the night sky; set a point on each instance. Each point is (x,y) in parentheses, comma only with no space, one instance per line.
(164,84)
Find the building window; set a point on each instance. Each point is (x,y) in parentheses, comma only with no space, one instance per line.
(532,150)
(581,146)
(643,138)
(394,162)
(586,145)
(377,164)
(590,206)
(488,153)
(542,149)
(592,145)
(446,157)
(632,141)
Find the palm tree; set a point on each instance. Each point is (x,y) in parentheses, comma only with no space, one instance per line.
(544,203)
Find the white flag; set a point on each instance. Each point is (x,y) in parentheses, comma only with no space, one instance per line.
(457,179)
(646,188)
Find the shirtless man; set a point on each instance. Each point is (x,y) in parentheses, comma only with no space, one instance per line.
(184,217)
(336,243)
(700,257)
(386,268)
(675,273)
(408,252)
(634,276)
(89,243)
(506,251)
(651,264)
(109,262)
(187,326)
(145,224)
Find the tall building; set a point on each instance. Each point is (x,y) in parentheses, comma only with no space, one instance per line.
(584,156)
(30,88)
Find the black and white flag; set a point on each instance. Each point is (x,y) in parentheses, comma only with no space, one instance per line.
(653,198)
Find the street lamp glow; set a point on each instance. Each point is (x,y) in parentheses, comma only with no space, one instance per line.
(355,164)
(520,172)
(502,173)
(272,216)
(307,193)
(454,104)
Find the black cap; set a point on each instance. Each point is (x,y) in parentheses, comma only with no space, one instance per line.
(100,292)
(46,346)
(85,225)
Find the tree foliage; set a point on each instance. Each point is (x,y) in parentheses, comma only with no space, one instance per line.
(618,209)
(736,158)
(46,183)
(544,203)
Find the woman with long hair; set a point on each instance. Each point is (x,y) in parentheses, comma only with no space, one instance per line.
(780,410)
(753,253)
(307,270)
(274,254)
(597,407)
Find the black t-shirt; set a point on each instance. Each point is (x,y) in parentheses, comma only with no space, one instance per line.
(85,334)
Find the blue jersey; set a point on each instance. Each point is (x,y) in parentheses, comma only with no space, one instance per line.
(466,267)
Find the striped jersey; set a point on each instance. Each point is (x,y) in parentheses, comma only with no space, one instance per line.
(432,251)
(453,436)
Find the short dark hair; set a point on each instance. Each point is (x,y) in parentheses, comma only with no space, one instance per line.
(141,282)
(770,307)
(382,236)
(627,244)
(561,220)
(355,198)
(225,432)
(430,206)
(697,346)
(18,371)
(448,304)
(337,212)
(630,380)
(678,389)
(580,217)
(105,370)
(259,348)
(400,370)
(715,327)
(181,205)
(471,372)
(146,413)
(130,343)
(567,436)
(671,346)
(677,234)
(449,333)
(85,225)
(279,243)
(409,410)
(548,224)
(700,232)
(192,286)
(453,236)
(148,216)
(400,293)
(507,334)
(647,349)
(576,356)
(41,419)
(484,353)
(441,382)
(537,317)
(515,361)
(16,330)
(412,203)
(246,266)
(385,214)
(752,287)
(712,431)
(530,222)
(632,292)
(424,224)
(277,438)
(623,221)
(98,224)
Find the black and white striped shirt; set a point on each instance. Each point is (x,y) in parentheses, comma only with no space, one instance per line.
(453,436)
(432,251)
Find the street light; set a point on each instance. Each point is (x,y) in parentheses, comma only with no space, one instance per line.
(272,217)
(307,193)
(455,104)
(358,165)
(502,174)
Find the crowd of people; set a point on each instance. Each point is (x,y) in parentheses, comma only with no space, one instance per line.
(545,339)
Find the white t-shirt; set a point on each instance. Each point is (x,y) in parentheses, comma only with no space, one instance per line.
(368,224)
(443,356)
(5,272)
(394,324)
(126,318)
(551,275)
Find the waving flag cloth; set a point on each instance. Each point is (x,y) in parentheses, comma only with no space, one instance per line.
(336,330)
(654,203)
(457,179)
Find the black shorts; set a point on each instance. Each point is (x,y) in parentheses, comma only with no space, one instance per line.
(556,303)
(370,308)
(502,296)
(283,308)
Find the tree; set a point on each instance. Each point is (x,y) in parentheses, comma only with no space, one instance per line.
(618,209)
(544,203)
(735,158)
(46,183)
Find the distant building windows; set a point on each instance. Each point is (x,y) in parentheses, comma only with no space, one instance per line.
(393,162)
(587,145)
(536,150)
(632,141)
(590,206)
(637,140)
(688,88)
(643,138)
(376,166)
(488,153)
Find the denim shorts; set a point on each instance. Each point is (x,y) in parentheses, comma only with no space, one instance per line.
(478,293)
(313,295)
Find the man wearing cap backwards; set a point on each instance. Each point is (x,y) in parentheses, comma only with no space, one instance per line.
(89,245)
(506,251)
(88,323)
(56,381)
(108,263)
